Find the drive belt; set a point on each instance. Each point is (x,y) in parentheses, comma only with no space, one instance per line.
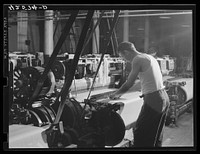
(56,50)
(66,86)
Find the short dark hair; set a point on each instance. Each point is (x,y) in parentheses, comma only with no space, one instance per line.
(126,46)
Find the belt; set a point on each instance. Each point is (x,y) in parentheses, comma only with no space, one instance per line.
(141,96)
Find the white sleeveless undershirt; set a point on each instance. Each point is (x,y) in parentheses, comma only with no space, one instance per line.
(151,79)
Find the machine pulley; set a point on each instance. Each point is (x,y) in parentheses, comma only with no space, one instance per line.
(25,81)
(58,69)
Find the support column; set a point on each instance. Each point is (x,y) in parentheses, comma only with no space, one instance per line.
(48,35)
(126,27)
(73,41)
(189,65)
(146,35)
(22,30)
(95,36)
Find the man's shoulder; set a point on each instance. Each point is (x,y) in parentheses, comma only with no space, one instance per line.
(142,60)
(141,57)
(138,60)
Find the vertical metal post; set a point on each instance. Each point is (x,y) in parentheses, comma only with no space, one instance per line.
(126,27)
(146,34)
(95,38)
(22,27)
(48,35)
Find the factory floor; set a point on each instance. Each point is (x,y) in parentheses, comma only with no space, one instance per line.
(181,136)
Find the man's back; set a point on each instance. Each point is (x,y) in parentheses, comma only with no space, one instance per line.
(150,74)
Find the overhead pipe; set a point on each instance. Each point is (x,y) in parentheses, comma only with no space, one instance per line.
(122,11)
(64,17)
(83,14)
(135,15)
(130,11)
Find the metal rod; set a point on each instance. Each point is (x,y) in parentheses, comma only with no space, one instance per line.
(55,28)
(96,42)
(157,14)
(107,40)
(92,31)
(111,39)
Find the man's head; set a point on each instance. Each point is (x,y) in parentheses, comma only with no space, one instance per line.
(127,50)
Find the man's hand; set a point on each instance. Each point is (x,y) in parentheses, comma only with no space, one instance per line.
(114,96)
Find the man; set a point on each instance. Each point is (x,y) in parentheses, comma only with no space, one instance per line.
(151,120)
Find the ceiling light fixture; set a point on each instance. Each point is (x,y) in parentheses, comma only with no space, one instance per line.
(164,17)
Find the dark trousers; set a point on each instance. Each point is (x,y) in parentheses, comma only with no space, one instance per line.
(151,120)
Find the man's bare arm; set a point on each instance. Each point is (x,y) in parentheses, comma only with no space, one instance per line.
(136,66)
